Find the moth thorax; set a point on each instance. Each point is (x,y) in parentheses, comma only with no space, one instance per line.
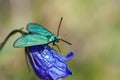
(53,38)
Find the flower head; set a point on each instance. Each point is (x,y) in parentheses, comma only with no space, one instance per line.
(47,63)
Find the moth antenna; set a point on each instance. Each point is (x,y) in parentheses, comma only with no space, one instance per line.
(59,26)
(10,34)
(66,41)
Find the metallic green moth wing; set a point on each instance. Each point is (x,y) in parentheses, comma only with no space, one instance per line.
(36,28)
(30,40)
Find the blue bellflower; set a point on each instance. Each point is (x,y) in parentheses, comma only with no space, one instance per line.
(47,63)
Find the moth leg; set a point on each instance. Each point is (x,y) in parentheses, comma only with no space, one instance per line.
(57,46)
(26,58)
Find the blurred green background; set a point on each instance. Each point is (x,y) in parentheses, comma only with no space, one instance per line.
(92,26)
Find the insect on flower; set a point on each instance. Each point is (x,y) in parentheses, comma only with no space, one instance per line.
(47,63)
(36,35)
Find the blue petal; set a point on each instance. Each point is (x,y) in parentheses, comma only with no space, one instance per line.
(61,57)
(48,64)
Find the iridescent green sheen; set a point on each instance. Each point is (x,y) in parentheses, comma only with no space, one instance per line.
(37,35)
